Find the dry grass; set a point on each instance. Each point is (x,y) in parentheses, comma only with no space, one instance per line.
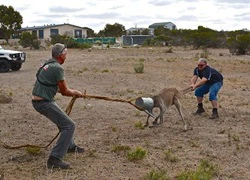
(103,126)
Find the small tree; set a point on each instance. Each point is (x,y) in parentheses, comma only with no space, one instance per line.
(64,40)
(10,21)
(145,32)
(240,44)
(115,30)
(29,40)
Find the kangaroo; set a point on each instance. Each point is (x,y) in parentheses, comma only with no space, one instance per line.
(166,98)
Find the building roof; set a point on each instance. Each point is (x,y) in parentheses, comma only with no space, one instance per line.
(155,25)
(49,26)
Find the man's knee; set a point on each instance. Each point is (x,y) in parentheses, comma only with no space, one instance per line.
(69,125)
(212,97)
(198,93)
(72,125)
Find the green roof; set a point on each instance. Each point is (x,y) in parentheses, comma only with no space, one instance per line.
(155,25)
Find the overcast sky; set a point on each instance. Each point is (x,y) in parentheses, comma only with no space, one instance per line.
(95,14)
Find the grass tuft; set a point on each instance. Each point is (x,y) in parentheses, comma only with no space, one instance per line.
(119,148)
(33,150)
(139,125)
(138,154)
(156,175)
(205,171)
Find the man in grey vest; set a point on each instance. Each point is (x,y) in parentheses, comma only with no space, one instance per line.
(50,80)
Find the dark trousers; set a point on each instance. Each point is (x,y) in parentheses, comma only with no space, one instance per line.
(65,124)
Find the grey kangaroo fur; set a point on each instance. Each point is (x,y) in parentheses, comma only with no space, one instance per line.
(166,98)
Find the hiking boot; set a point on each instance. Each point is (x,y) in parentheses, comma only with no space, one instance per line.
(75,149)
(199,111)
(54,162)
(214,115)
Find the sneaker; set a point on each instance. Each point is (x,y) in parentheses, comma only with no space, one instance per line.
(214,116)
(54,162)
(200,110)
(76,149)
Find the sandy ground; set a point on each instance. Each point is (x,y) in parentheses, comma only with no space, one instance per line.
(103,125)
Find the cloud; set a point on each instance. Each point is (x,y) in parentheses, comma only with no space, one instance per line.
(53,16)
(160,3)
(61,9)
(99,16)
(116,7)
(187,18)
(95,14)
(234,1)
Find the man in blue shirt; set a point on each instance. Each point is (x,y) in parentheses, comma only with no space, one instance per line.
(50,80)
(211,82)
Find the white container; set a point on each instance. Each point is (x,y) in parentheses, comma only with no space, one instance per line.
(146,104)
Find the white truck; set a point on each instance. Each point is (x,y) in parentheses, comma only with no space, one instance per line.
(10,59)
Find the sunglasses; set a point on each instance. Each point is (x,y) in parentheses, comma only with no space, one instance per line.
(62,51)
(201,65)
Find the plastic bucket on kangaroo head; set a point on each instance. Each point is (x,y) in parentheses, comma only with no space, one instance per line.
(146,104)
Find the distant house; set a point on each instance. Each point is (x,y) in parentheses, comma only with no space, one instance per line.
(137,31)
(44,32)
(168,25)
(129,40)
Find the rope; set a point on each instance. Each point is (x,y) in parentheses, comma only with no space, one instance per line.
(68,111)
(70,106)
(113,99)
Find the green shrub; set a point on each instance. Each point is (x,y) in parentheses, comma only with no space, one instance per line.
(137,154)
(205,171)
(29,40)
(156,175)
(139,125)
(33,150)
(70,42)
(204,53)
(85,46)
(139,67)
(99,43)
(169,50)
(169,156)
(119,148)
(239,45)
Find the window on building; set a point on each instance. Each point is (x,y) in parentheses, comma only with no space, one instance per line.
(41,34)
(34,33)
(78,33)
(54,31)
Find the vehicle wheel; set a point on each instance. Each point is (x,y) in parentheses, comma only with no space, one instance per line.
(16,66)
(4,66)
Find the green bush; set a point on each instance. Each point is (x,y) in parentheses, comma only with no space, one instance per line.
(84,46)
(156,175)
(29,40)
(139,125)
(137,154)
(239,45)
(205,171)
(139,67)
(70,42)
(119,148)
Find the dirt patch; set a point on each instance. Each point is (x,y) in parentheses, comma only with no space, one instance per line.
(102,125)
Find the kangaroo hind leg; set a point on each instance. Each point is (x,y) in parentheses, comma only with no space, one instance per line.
(178,105)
